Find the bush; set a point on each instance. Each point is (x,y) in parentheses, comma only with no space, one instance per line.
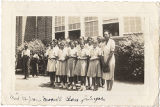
(130,55)
(34,45)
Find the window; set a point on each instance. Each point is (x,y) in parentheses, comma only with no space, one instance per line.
(112,27)
(91,26)
(132,25)
(59,23)
(111,24)
(74,23)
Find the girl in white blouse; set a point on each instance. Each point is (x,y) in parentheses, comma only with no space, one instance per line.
(71,62)
(61,65)
(81,66)
(94,70)
(51,65)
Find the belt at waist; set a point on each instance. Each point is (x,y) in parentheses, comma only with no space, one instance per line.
(25,56)
(94,59)
(51,58)
(72,57)
(62,60)
(82,58)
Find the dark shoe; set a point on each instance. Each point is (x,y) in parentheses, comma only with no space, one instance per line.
(51,84)
(94,89)
(88,88)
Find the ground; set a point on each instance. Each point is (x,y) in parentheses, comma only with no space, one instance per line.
(41,83)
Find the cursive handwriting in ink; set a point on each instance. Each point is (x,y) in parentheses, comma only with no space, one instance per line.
(14,97)
(72,99)
(51,99)
(94,99)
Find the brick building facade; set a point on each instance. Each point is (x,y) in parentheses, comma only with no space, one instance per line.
(47,28)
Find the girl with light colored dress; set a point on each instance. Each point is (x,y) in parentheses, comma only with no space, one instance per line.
(61,65)
(71,63)
(88,46)
(51,65)
(81,66)
(94,70)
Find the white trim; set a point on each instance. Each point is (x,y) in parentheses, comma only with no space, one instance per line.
(59,31)
(121,26)
(100,26)
(132,33)
(53,28)
(66,27)
(74,30)
(90,21)
(82,26)
(108,21)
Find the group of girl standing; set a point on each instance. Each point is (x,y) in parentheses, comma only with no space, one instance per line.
(89,63)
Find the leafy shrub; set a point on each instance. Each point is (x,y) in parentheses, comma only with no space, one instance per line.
(130,53)
(34,45)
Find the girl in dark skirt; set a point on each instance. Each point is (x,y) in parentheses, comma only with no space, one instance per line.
(81,66)
(34,64)
(41,64)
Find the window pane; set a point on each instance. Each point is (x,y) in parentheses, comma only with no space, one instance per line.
(70,27)
(63,28)
(78,26)
(55,28)
(63,19)
(132,25)
(126,24)
(138,24)
(74,26)
(60,29)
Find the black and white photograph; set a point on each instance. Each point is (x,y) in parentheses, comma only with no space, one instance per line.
(79,53)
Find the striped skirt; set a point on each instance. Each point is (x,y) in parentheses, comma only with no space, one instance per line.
(51,65)
(71,63)
(81,67)
(94,69)
(61,68)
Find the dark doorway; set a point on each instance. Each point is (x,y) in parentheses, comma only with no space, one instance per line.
(60,35)
(73,35)
(112,27)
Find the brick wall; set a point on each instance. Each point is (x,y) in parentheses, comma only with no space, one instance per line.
(18,31)
(30,29)
(43,30)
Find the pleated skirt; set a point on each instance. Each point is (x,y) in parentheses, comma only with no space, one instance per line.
(51,65)
(71,63)
(94,69)
(81,68)
(61,68)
